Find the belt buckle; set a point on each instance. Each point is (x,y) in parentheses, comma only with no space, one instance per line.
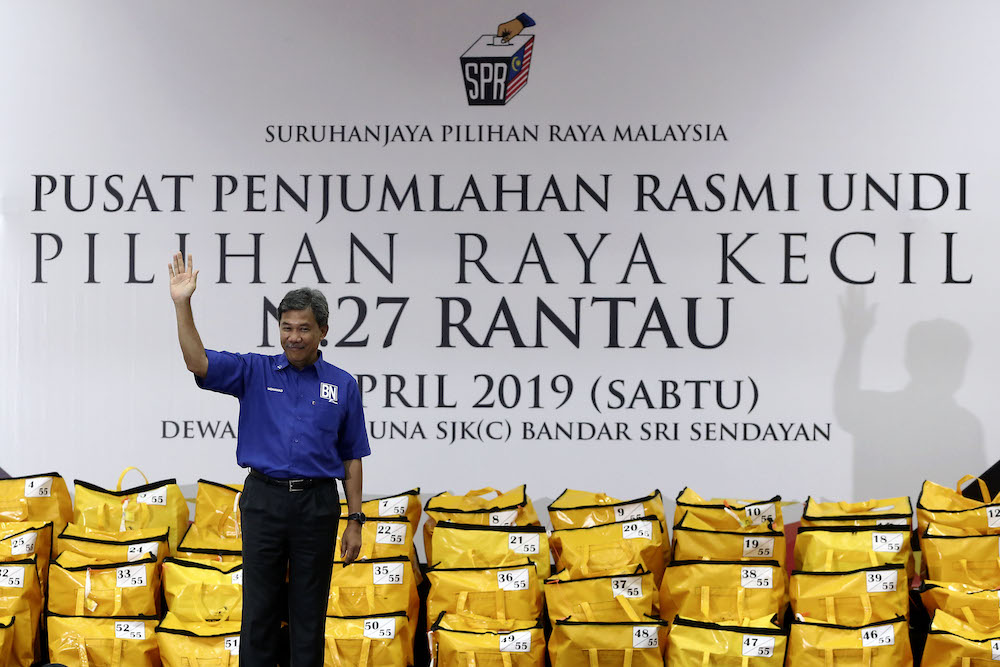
(297,484)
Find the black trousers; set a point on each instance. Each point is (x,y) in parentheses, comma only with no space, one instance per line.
(291,532)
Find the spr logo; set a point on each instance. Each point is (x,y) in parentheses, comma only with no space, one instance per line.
(495,68)
(328,392)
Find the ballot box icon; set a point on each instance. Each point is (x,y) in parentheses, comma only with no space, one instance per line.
(495,71)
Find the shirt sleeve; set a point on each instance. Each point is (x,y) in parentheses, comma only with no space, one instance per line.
(227,373)
(525,20)
(352,441)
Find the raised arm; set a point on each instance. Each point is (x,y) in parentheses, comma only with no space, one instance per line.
(183,281)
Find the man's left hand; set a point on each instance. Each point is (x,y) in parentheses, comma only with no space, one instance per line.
(350,543)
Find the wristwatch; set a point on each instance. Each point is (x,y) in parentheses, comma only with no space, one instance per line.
(357,516)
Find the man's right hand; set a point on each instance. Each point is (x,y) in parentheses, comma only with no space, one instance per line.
(183,279)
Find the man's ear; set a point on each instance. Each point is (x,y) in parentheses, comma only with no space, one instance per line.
(323,331)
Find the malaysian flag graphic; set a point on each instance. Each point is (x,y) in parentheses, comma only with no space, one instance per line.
(520,64)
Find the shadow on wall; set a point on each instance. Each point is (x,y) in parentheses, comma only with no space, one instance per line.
(918,432)
(3,474)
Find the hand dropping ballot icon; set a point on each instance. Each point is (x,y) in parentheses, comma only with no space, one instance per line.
(495,67)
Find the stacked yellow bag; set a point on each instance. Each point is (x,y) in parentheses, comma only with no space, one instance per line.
(377,640)
(193,644)
(36,498)
(606,597)
(611,548)
(952,554)
(461,640)
(723,514)
(372,587)
(756,643)
(693,538)
(21,539)
(402,505)
(886,644)
(81,586)
(503,593)
(856,598)
(512,508)
(114,547)
(960,643)
(116,642)
(639,643)
(152,505)
(203,591)
(468,545)
(21,597)
(974,605)
(886,512)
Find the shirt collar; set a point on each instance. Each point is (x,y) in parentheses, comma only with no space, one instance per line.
(281,361)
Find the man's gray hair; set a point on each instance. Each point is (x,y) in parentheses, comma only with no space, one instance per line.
(306,297)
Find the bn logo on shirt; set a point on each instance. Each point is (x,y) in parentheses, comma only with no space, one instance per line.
(328,392)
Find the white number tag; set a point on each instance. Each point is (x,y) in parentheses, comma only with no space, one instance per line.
(629,512)
(759,514)
(503,518)
(393,506)
(634,530)
(523,543)
(390,533)
(892,542)
(756,577)
(516,642)
(758,547)
(881,581)
(380,628)
(232,645)
(883,635)
(755,646)
(237,578)
(627,587)
(23,544)
(12,576)
(131,576)
(993,516)
(513,580)
(645,636)
(140,551)
(995,648)
(38,487)
(155,497)
(130,630)
(387,573)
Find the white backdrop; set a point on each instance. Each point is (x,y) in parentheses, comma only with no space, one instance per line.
(92,379)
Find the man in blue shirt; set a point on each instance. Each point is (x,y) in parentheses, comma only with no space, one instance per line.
(301,429)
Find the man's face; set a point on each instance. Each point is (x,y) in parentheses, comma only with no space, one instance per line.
(300,336)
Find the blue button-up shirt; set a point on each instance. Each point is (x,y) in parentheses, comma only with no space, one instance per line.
(293,423)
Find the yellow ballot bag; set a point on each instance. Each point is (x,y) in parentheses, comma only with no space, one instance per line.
(21,597)
(200,591)
(379,640)
(512,508)
(6,639)
(974,605)
(613,547)
(467,545)
(884,512)
(377,586)
(948,507)
(873,595)
(406,504)
(727,513)
(23,539)
(887,644)
(202,545)
(461,640)
(512,591)
(385,537)
(950,555)
(152,505)
(694,540)
(849,548)
(76,641)
(723,591)
(41,497)
(81,586)
(954,642)
(583,509)
(198,644)
(575,643)
(624,596)
(757,643)
(112,546)
(217,509)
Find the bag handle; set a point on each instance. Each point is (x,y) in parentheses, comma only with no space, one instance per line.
(366,651)
(117,653)
(486,490)
(983,489)
(331,649)
(121,477)
(592,654)
(629,610)
(831,610)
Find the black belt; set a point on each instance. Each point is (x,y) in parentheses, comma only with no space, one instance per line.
(292,484)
